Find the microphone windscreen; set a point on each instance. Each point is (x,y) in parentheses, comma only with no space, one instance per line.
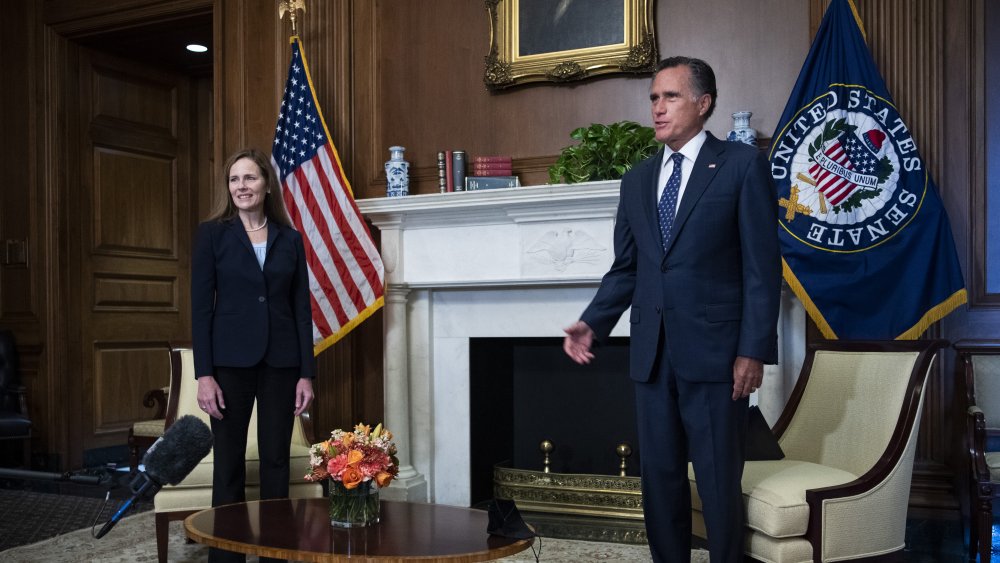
(178,452)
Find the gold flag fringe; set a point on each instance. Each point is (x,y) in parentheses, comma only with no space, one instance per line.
(933,315)
(800,292)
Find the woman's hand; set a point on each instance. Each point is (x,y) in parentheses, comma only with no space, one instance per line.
(210,397)
(303,395)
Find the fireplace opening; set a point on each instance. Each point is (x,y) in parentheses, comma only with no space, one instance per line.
(525,390)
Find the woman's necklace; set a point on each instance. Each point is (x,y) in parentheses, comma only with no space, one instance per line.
(258,228)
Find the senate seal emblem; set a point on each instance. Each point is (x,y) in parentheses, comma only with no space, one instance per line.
(847,172)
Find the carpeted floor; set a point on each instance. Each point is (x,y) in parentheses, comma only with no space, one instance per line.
(39,526)
(133,540)
(30,516)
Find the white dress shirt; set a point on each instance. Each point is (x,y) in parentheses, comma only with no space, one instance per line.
(690,151)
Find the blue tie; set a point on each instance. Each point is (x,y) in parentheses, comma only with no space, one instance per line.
(668,201)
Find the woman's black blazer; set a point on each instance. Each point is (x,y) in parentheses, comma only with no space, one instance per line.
(240,314)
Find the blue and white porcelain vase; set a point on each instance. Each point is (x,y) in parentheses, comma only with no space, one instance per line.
(742,132)
(397,173)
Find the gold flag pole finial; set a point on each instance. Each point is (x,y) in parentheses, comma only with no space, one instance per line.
(290,6)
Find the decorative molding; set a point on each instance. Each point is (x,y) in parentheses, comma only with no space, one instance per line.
(587,528)
(973,104)
(564,493)
(76,18)
(558,249)
(510,205)
(135,293)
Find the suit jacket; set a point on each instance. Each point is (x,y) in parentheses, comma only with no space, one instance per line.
(242,314)
(715,291)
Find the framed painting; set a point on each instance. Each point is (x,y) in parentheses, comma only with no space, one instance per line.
(563,40)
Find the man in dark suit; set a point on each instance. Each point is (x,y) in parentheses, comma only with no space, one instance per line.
(697,259)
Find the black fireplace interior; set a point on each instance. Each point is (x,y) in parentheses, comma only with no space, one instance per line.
(525,390)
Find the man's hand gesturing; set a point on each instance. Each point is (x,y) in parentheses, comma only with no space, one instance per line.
(579,338)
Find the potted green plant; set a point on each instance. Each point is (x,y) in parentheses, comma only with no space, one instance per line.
(605,152)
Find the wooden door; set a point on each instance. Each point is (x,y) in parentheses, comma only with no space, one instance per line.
(129,244)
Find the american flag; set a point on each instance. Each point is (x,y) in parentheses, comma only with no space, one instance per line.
(345,270)
(847,161)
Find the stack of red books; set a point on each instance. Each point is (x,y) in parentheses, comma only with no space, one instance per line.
(492,166)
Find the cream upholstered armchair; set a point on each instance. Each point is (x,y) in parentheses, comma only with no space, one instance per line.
(979,367)
(849,435)
(194,493)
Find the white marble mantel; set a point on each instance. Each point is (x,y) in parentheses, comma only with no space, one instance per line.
(516,262)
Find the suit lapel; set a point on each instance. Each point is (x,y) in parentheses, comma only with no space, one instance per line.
(273,228)
(240,233)
(651,175)
(709,161)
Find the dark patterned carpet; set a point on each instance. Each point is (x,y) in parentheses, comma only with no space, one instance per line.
(29,516)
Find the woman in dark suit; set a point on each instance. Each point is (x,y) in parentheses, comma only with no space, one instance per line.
(252,328)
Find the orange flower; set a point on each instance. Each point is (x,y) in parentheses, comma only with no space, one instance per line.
(363,428)
(347,440)
(382,478)
(351,477)
(354,457)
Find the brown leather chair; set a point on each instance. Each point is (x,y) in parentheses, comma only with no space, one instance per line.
(15,424)
(978,365)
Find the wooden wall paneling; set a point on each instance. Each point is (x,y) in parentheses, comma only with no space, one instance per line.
(327,34)
(206,179)
(430,92)
(229,85)
(247,92)
(365,52)
(906,40)
(21,306)
(986,164)
(19,303)
(132,221)
(431,97)
(68,137)
(124,370)
(364,165)
(72,18)
(964,174)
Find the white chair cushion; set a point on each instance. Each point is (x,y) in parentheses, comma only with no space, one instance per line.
(993,463)
(986,371)
(774,493)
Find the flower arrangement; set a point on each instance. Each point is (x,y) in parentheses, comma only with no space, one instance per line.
(355,458)
(357,464)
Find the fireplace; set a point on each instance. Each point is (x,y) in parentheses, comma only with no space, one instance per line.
(525,390)
(519,263)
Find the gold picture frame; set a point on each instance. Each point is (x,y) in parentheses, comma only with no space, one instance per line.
(528,44)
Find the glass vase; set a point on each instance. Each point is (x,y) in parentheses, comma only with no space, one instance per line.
(353,508)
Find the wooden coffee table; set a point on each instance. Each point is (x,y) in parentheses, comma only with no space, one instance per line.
(300,529)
